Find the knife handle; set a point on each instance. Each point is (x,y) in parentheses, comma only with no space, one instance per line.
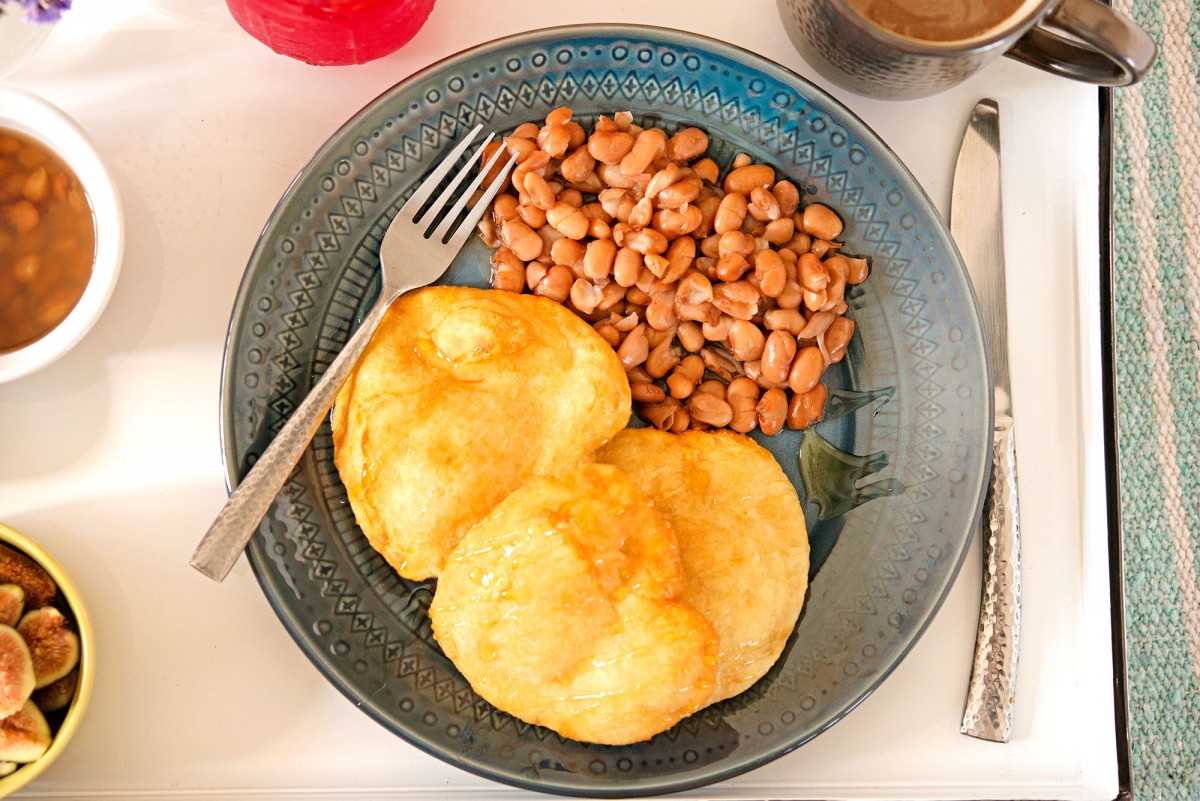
(988,710)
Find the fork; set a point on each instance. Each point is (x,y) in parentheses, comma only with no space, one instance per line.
(415,251)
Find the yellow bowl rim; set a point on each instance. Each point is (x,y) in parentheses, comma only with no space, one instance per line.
(83,692)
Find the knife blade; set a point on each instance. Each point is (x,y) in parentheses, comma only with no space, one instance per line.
(976,223)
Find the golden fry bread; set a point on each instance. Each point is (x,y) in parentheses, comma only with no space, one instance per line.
(561,609)
(741,535)
(462,395)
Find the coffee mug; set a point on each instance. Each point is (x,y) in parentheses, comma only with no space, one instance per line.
(874,49)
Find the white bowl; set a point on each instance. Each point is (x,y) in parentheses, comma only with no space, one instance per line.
(29,114)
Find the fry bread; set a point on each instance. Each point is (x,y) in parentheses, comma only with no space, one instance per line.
(741,534)
(561,608)
(463,395)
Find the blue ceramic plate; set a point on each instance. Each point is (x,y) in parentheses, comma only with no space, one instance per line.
(894,477)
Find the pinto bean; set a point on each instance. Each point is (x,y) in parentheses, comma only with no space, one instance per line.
(568,220)
(647,147)
(661,415)
(686,144)
(598,257)
(717,330)
(643,392)
(788,197)
(738,299)
(746,340)
(710,409)
(821,222)
(680,255)
(578,165)
(683,380)
(680,193)
(806,369)
(744,179)
(662,179)
(771,272)
(858,271)
(706,170)
(508,272)
(585,296)
(627,266)
(521,239)
(690,336)
(635,348)
(677,223)
(645,240)
(807,408)
(662,359)
(812,273)
(731,267)
(609,147)
(730,213)
(837,338)
(539,191)
(556,283)
(694,287)
(772,411)
(778,352)
(763,205)
(779,232)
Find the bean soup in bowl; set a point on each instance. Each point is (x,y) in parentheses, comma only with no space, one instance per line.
(61,233)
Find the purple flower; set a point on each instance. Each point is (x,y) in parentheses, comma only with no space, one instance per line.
(45,11)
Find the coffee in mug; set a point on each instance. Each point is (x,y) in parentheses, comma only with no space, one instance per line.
(937,20)
(901,49)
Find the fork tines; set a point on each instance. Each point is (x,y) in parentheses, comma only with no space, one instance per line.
(417,212)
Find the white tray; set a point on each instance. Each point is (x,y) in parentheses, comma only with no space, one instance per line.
(110,457)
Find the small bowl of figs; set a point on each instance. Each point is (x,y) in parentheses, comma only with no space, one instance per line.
(46,660)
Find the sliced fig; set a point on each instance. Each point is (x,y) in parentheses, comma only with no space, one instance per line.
(57,695)
(53,647)
(24,736)
(12,604)
(17,568)
(7,768)
(17,679)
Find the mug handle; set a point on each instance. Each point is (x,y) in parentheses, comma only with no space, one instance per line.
(1101,45)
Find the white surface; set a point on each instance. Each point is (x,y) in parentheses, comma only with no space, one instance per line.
(110,457)
(19,40)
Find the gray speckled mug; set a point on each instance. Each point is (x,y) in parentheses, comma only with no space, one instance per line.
(1081,39)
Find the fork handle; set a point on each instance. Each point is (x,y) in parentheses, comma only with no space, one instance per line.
(226,538)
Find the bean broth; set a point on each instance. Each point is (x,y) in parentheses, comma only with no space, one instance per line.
(47,240)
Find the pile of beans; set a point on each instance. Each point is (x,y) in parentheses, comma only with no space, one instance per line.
(724,298)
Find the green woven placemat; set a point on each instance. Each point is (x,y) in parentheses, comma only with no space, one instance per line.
(1157,299)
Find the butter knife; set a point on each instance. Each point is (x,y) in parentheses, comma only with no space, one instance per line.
(977,226)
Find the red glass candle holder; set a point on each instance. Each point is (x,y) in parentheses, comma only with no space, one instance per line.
(332,32)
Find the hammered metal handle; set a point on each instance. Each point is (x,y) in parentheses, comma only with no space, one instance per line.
(989,707)
(237,521)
